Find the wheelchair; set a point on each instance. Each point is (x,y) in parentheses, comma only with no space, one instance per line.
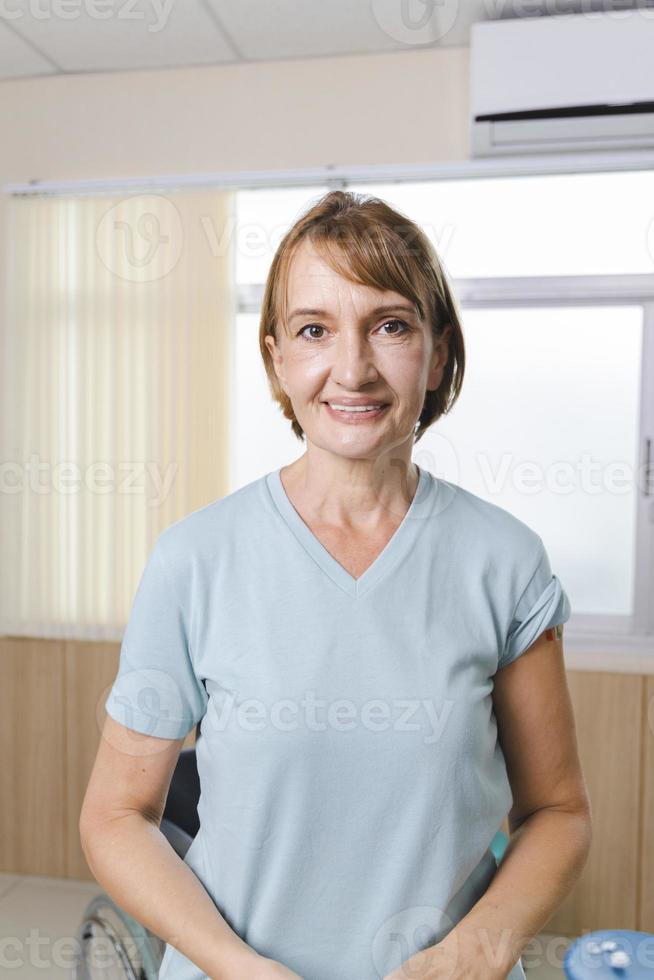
(111,945)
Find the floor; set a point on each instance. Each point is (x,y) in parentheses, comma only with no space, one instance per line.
(38,924)
(39,918)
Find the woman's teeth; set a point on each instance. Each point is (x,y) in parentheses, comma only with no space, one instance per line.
(354,408)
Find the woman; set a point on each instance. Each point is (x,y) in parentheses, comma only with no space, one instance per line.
(351,631)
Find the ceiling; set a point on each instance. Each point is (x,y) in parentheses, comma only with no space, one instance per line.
(54,37)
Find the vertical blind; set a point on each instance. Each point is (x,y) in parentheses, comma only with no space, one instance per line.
(115,391)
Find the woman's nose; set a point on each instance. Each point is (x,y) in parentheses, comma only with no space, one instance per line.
(353,363)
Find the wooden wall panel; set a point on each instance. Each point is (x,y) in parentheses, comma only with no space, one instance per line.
(32,776)
(646,916)
(607,710)
(52,713)
(90,671)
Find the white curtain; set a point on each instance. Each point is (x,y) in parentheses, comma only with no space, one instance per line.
(116,361)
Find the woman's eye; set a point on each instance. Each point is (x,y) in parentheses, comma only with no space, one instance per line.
(402,324)
(311,326)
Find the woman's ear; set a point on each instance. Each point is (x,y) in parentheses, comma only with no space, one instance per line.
(277,359)
(439,357)
(444,338)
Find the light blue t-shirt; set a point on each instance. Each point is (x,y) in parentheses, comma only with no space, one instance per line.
(351,776)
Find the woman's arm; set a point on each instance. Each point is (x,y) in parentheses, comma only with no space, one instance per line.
(550,823)
(133,861)
(550,820)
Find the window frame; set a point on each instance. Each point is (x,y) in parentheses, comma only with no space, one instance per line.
(637,290)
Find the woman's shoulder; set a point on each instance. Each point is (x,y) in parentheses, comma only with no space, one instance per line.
(209,528)
(488,525)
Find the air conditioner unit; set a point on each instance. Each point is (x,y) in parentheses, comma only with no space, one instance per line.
(567,82)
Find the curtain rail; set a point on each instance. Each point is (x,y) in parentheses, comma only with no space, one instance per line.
(334,176)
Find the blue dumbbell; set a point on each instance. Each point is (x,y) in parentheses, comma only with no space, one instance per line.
(611,954)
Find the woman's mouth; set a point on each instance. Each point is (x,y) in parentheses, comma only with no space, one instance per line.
(355,414)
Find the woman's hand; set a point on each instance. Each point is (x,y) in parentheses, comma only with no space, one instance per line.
(268,969)
(447,961)
(255,967)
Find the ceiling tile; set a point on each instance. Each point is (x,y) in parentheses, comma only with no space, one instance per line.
(273,29)
(18,59)
(145,34)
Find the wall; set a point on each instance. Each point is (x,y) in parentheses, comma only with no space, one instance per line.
(403,107)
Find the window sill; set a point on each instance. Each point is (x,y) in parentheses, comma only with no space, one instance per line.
(610,652)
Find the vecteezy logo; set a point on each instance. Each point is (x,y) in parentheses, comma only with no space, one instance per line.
(147,701)
(407,932)
(415,21)
(140,238)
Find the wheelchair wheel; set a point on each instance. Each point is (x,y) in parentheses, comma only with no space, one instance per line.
(113,946)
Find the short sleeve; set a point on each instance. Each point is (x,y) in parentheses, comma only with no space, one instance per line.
(542,604)
(156,690)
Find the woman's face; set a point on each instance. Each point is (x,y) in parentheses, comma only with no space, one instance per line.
(348,350)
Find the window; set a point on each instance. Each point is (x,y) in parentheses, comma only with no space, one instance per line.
(546,426)
(582,224)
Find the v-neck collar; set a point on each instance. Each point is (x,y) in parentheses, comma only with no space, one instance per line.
(398,545)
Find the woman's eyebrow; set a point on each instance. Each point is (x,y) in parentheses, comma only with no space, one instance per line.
(377,311)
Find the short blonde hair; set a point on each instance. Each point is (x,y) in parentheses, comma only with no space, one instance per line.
(365,240)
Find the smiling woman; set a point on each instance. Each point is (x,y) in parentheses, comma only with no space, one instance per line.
(389,608)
